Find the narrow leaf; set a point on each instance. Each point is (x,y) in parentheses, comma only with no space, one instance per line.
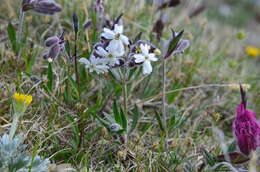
(136,116)
(12,37)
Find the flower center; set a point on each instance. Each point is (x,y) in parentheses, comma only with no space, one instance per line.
(146,57)
(117,36)
(110,56)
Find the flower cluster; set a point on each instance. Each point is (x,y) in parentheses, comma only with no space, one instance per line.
(22,98)
(21,101)
(110,52)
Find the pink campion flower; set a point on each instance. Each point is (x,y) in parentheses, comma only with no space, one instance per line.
(246,127)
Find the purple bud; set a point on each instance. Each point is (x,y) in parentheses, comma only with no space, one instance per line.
(115,127)
(99,7)
(246,128)
(44,6)
(51,40)
(87,24)
(75,22)
(181,46)
(54,51)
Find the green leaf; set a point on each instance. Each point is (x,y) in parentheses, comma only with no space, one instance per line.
(102,121)
(50,77)
(117,114)
(89,136)
(12,37)
(145,128)
(209,158)
(123,119)
(158,118)
(173,43)
(136,116)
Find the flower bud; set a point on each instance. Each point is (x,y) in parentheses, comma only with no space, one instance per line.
(51,41)
(157,52)
(42,6)
(115,127)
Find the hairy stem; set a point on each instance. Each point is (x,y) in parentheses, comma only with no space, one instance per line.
(14,126)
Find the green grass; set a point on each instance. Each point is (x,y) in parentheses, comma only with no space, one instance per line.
(60,125)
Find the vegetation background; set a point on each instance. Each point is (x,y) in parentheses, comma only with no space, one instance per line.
(59,126)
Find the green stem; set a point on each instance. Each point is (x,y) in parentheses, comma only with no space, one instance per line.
(164,102)
(14,126)
(125,92)
(76,66)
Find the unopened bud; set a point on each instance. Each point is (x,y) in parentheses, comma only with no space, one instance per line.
(157,52)
(115,127)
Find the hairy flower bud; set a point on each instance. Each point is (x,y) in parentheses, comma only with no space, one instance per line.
(42,6)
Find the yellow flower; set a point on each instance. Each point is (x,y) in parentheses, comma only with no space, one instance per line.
(22,98)
(237,86)
(252,51)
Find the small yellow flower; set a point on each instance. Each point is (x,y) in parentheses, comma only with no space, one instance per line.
(22,98)
(252,51)
(237,86)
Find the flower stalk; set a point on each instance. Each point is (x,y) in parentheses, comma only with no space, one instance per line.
(76,28)
(164,102)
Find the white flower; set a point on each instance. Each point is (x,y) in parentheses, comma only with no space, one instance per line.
(145,57)
(95,64)
(109,55)
(118,40)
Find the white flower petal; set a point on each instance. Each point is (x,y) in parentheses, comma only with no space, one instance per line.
(152,57)
(118,28)
(108,34)
(147,67)
(84,61)
(102,52)
(116,47)
(124,39)
(139,58)
(144,49)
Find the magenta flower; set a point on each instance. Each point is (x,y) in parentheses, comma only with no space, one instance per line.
(246,128)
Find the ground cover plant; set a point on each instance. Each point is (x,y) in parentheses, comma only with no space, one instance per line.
(141,85)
